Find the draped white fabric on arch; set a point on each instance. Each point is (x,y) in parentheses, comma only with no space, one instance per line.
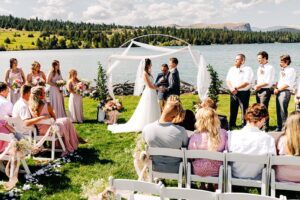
(203,77)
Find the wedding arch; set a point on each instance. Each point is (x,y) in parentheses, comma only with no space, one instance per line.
(114,61)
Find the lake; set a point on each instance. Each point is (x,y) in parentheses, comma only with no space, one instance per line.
(221,57)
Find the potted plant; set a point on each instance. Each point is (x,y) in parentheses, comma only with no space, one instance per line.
(100,93)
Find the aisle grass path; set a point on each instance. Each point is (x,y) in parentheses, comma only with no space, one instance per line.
(105,154)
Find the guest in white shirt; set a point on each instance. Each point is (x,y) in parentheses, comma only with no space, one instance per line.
(239,78)
(5,105)
(251,140)
(21,109)
(286,83)
(297,95)
(265,79)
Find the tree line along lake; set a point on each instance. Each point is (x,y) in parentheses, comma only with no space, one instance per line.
(221,57)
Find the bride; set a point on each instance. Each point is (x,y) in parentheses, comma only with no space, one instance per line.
(147,110)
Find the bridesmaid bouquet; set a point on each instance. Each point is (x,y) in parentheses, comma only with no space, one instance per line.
(16,85)
(60,84)
(82,86)
(38,81)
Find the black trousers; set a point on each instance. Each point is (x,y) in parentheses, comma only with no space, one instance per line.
(242,97)
(263,96)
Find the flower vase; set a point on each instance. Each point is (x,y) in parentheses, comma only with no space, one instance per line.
(112,117)
(100,114)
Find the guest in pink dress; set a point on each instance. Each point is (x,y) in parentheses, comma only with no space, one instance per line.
(14,74)
(5,128)
(36,77)
(75,100)
(55,93)
(208,136)
(289,144)
(38,107)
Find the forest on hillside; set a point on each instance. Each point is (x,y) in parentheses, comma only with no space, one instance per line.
(56,34)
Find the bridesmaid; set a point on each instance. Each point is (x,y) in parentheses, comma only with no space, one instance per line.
(36,77)
(55,95)
(75,100)
(12,74)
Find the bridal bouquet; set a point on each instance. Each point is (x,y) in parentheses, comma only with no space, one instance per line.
(38,81)
(16,85)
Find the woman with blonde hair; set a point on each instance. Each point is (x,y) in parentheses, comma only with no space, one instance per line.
(185,118)
(36,76)
(208,136)
(289,144)
(75,100)
(55,94)
(39,107)
(14,74)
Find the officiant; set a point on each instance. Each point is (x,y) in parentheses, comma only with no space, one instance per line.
(162,82)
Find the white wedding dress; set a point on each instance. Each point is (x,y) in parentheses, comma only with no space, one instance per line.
(146,112)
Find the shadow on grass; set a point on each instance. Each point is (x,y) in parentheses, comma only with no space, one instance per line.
(90,156)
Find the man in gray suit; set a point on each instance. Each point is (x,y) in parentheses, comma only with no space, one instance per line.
(162,82)
(173,79)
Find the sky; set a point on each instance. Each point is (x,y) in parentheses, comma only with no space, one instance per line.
(259,13)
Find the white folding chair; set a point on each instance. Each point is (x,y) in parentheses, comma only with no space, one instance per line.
(250,159)
(138,189)
(18,124)
(53,137)
(287,161)
(186,193)
(203,154)
(9,138)
(175,153)
(244,196)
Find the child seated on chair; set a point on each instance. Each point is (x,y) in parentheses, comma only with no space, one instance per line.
(289,144)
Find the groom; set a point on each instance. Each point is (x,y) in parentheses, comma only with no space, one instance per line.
(173,79)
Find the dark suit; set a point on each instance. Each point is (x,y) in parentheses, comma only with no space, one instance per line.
(161,80)
(174,83)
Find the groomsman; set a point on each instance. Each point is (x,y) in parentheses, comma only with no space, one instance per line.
(173,79)
(239,78)
(162,82)
(286,83)
(265,79)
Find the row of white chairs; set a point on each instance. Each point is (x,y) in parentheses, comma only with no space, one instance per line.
(140,190)
(225,180)
(31,134)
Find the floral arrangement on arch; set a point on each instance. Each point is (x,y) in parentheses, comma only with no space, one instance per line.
(16,85)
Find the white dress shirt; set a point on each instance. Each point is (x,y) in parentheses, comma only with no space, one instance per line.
(21,109)
(265,74)
(287,76)
(237,76)
(249,140)
(5,106)
(298,87)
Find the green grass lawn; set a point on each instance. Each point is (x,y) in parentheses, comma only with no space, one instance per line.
(105,154)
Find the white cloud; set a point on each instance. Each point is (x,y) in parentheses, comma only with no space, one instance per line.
(4,11)
(54,2)
(150,12)
(49,12)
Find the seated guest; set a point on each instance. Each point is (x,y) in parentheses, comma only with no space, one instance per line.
(208,102)
(185,118)
(289,144)
(208,136)
(165,134)
(5,128)
(39,108)
(5,105)
(251,140)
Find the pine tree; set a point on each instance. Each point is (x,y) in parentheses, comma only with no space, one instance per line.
(215,84)
(101,92)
